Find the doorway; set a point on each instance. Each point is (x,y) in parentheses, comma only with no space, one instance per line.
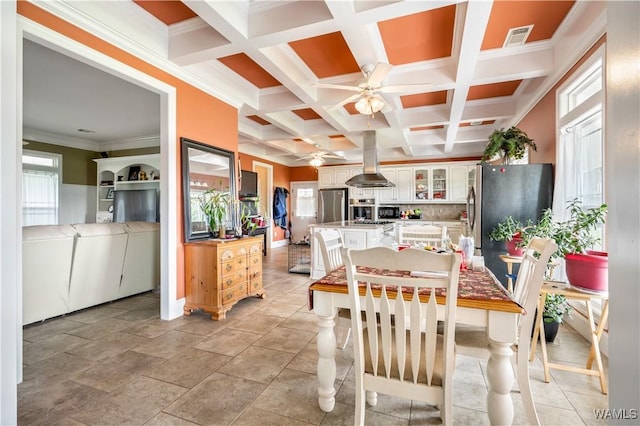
(265,195)
(170,307)
(304,206)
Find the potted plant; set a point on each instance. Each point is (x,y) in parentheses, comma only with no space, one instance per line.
(510,144)
(510,230)
(576,239)
(214,204)
(556,307)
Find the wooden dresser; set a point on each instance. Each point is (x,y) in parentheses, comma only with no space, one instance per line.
(218,273)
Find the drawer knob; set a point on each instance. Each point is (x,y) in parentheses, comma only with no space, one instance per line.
(229,281)
(228,267)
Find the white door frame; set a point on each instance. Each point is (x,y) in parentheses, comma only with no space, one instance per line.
(269,168)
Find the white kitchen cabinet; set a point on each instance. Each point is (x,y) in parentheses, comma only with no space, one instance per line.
(458,183)
(332,177)
(431,183)
(123,173)
(326,178)
(402,177)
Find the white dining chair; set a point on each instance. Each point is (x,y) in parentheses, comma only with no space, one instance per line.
(399,352)
(330,243)
(430,235)
(473,341)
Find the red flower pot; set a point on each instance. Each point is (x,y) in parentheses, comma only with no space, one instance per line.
(588,271)
(512,247)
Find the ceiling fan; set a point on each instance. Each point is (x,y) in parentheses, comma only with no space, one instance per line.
(367,99)
(316,159)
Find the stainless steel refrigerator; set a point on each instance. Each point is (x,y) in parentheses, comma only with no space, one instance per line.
(522,191)
(333,205)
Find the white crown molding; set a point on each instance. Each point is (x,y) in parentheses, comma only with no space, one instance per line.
(35,135)
(66,11)
(131,143)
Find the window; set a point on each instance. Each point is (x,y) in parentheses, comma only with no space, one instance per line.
(305,202)
(580,149)
(41,177)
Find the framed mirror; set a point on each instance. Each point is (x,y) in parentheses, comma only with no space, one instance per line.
(205,170)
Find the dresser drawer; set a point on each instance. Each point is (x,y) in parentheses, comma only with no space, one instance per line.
(233,266)
(255,261)
(232,295)
(232,253)
(231,280)
(255,285)
(255,249)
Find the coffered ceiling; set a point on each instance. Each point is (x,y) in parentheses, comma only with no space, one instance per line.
(458,77)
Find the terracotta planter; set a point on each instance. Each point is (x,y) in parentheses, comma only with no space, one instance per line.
(512,247)
(588,271)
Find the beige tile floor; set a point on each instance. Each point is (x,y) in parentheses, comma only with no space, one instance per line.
(119,364)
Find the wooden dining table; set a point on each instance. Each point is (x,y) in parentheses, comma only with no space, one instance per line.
(482,301)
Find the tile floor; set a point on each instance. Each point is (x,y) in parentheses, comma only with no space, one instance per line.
(119,364)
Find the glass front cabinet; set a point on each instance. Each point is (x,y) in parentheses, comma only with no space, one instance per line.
(431,183)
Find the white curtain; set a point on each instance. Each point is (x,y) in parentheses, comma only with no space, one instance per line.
(39,197)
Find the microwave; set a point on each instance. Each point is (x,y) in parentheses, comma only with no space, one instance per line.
(388,212)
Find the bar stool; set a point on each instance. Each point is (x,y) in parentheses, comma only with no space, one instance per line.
(551,287)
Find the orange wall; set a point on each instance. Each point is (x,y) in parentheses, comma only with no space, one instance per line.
(199,116)
(281,177)
(304,173)
(540,123)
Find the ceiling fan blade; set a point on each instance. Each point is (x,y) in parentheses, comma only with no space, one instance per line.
(336,86)
(399,88)
(378,74)
(344,102)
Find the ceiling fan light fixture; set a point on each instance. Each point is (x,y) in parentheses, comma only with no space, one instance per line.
(316,162)
(369,105)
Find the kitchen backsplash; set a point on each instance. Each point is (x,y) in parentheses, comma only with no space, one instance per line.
(437,211)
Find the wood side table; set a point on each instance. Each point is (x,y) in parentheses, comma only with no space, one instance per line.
(552,287)
(510,260)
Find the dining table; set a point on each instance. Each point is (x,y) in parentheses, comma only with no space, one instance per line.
(482,301)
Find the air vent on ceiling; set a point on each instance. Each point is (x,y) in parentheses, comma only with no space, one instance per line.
(517,36)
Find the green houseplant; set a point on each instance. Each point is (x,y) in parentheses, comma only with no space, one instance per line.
(510,144)
(214,204)
(511,231)
(556,307)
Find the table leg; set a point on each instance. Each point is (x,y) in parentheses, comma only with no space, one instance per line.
(326,362)
(595,343)
(500,378)
(509,279)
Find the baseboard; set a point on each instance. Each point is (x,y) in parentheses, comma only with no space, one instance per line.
(279,243)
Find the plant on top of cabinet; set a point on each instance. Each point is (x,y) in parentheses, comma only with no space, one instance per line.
(214,204)
(510,144)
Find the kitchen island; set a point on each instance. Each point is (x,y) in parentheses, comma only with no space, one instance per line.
(355,234)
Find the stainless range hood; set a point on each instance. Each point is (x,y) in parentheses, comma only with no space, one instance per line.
(370,178)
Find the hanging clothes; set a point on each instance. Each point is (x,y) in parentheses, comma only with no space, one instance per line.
(280,207)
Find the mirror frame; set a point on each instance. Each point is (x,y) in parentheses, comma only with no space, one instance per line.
(186,143)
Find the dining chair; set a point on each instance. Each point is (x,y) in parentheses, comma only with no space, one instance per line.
(399,352)
(430,235)
(473,341)
(330,243)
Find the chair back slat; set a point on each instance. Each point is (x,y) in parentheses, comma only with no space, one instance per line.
(400,343)
(330,243)
(431,235)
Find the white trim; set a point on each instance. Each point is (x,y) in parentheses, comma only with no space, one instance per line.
(269,167)
(10,238)
(169,306)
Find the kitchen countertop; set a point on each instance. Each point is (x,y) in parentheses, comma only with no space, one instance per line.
(349,224)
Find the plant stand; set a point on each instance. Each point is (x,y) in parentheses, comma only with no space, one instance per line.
(549,287)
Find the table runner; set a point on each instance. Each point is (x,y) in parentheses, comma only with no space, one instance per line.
(480,289)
